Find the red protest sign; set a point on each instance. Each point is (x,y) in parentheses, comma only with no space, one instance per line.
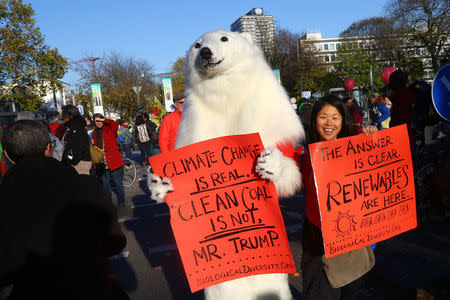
(365,188)
(226,220)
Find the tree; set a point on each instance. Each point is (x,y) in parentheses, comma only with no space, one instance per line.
(117,76)
(291,55)
(427,23)
(178,78)
(378,36)
(354,62)
(28,67)
(284,57)
(312,67)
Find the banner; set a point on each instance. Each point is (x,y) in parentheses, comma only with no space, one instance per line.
(168,94)
(226,220)
(158,111)
(97,101)
(365,188)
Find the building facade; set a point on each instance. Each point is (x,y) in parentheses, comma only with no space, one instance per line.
(328,47)
(260,26)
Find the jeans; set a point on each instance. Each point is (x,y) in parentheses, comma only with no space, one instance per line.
(146,151)
(116,177)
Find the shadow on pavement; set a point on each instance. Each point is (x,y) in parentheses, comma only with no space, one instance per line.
(155,238)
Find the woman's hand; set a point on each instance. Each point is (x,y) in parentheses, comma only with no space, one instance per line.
(369,130)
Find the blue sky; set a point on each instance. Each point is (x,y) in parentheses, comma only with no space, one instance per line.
(162,31)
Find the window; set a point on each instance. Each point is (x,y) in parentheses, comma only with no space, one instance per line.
(338,45)
(332,47)
(361,45)
(333,58)
(325,46)
(327,58)
(319,47)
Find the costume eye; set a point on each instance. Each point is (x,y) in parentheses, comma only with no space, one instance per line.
(197,45)
(224,39)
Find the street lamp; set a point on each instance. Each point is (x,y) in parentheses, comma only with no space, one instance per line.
(299,70)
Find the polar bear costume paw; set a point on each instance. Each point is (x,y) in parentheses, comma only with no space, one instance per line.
(159,187)
(269,164)
(281,170)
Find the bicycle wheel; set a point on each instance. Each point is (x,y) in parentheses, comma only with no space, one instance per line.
(129,172)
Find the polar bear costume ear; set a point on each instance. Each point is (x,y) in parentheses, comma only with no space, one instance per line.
(247,36)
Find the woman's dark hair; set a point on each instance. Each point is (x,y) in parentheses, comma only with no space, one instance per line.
(70,110)
(139,120)
(346,130)
(97,115)
(397,80)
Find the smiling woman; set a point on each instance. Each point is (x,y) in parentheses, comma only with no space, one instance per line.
(330,120)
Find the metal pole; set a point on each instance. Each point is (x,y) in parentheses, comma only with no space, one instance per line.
(371,80)
(299,70)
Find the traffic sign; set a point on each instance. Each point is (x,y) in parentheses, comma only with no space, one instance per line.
(80,109)
(306,94)
(441,92)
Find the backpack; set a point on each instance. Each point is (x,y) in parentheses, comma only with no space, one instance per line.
(120,137)
(142,133)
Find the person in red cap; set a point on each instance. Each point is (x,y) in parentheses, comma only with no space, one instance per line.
(169,125)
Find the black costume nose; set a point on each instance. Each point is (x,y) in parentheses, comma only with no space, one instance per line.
(205,53)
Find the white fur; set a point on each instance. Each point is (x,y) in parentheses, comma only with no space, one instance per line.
(236,92)
(159,187)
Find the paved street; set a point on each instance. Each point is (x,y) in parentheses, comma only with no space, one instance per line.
(150,267)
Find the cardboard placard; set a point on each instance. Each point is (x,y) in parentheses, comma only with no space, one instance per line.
(365,188)
(226,220)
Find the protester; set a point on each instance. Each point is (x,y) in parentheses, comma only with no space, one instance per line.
(330,120)
(58,227)
(124,138)
(143,136)
(151,128)
(403,100)
(75,140)
(305,113)
(169,126)
(104,136)
(423,105)
(357,119)
(379,113)
(89,126)
(56,128)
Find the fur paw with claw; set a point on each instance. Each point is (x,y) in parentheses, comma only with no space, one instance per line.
(269,164)
(159,187)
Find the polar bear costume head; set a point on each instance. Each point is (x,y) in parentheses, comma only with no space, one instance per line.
(231,89)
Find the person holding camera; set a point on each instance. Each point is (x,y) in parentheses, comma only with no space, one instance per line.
(104,137)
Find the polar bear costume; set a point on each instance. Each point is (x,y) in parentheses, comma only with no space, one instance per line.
(231,90)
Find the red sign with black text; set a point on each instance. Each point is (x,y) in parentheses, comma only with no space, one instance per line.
(226,220)
(365,188)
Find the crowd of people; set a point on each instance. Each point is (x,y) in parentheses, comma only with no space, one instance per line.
(53,161)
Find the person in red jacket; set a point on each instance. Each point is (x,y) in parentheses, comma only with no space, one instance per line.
(104,136)
(169,126)
(403,100)
(357,120)
(56,128)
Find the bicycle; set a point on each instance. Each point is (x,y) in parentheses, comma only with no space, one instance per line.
(128,171)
